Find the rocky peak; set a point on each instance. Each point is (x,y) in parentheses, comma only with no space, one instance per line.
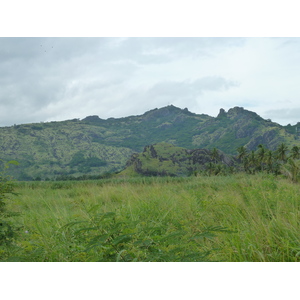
(222,113)
(232,112)
(163,112)
(91,119)
(240,112)
(235,111)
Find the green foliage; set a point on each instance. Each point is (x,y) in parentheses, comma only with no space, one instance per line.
(111,238)
(95,162)
(215,155)
(164,159)
(77,159)
(278,162)
(7,230)
(242,152)
(292,169)
(84,165)
(295,152)
(282,152)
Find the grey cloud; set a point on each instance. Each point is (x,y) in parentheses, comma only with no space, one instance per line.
(284,116)
(288,42)
(190,88)
(33,80)
(23,57)
(163,50)
(215,83)
(44,50)
(33,48)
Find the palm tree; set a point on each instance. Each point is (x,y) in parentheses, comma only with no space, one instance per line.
(210,168)
(292,169)
(295,152)
(246,163)
(242,155)
(261,155)
(281,152)
(214,155)
(242,151)
(269,160)
(252,161)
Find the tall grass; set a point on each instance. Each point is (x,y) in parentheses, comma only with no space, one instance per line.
(232,218)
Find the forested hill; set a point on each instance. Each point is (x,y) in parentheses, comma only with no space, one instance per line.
(95,146)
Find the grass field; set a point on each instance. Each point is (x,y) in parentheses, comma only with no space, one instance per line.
(223,218)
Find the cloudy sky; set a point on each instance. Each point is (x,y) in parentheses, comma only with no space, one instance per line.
(53,79)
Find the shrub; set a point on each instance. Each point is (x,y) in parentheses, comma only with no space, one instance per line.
(7,230)
(110,237)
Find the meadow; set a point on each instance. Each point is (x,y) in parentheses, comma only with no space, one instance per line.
(234,218)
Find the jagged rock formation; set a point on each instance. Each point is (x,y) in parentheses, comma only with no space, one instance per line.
(164,159)
(240,127)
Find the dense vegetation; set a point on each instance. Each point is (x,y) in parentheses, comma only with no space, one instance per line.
(165,159)
(239,217)
(8,230)
(93,146)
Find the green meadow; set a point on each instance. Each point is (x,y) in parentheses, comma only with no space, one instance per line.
(234,218)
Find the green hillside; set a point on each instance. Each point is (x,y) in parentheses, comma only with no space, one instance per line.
(59,148)
(94,146)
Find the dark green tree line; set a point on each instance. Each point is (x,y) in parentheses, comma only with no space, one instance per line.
(279,161)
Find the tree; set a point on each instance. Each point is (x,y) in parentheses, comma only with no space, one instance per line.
(7,230)
(250,161)
(261,155)
(295,152)
(215,155)
(210,168)
(269,160)
(292,169)
(246,164)
(242,152)
(242,155)
(282,151)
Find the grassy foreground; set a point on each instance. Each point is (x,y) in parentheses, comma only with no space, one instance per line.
(232,218)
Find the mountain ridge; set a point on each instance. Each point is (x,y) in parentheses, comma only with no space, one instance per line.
(95,146)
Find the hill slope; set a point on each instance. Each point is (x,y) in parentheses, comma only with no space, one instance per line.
(94,146)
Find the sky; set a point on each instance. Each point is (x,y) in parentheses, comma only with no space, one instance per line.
(54,79)
(124,58)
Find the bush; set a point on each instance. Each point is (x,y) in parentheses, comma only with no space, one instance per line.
(111,237)
(7,230)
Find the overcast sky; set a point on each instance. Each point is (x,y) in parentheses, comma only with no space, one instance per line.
(54,79)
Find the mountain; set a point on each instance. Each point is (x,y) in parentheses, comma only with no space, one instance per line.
(94,146)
